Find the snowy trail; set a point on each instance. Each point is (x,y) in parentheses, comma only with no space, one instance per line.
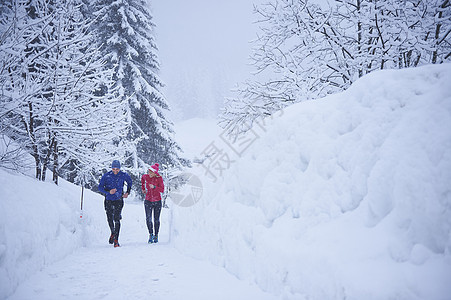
(136,270)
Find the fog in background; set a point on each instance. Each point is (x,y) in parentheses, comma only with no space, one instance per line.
(204,48)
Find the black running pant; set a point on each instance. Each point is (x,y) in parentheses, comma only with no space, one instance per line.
(156,208)
(113,210)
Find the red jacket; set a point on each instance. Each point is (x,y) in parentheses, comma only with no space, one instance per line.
(152,194)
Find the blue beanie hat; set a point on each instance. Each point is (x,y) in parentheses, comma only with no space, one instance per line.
(116,164)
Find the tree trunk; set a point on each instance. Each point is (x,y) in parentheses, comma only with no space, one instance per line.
(437,31)
(29,127)
(359,36)
(38,166)
(44,170)
(55,162)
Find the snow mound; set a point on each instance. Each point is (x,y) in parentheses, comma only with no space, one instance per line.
(348,196)
(41,224)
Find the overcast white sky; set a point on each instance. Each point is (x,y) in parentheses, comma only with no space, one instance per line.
(204,36)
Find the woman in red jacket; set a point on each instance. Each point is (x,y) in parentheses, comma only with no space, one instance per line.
(152,185)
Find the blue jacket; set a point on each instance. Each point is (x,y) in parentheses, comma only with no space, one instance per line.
(110,181)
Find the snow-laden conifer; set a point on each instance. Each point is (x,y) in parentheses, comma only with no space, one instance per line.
(126,34)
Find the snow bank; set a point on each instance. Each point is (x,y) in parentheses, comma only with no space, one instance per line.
(41,224)
(343,197)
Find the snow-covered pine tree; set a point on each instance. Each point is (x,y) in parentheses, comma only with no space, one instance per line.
(126,36)
(49,77)
(306,51)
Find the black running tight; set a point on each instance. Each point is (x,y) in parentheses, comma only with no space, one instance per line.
(156,208)
(113,210)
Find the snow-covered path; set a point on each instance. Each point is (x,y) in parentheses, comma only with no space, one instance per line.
(136,270)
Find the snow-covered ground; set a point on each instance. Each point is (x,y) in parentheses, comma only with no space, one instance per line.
(347,197)
(50,253)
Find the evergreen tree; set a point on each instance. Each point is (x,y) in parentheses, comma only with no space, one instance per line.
(126,34)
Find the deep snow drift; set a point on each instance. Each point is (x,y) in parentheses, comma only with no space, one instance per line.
(41,224)
(42,254)
(346,197)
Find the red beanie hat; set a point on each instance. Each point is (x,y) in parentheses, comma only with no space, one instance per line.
(154,168)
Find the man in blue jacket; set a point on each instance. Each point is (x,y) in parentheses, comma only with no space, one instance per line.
(112,186)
